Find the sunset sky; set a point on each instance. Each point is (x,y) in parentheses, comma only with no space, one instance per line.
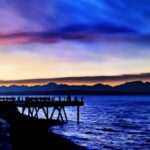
(43,39)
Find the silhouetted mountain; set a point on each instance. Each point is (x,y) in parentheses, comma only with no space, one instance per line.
(53,88)
(101,87)
(136,86)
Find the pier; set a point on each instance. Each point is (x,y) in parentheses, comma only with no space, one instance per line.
(32,106)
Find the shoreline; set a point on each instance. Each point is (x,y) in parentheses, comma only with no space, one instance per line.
(30,133)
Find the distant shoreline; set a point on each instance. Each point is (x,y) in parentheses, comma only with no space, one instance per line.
(128,88)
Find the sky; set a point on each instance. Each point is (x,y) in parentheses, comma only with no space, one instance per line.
(47,39)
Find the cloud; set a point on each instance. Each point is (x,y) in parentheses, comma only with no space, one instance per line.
(54,38)
(84,37)
(49,21)
(89,80)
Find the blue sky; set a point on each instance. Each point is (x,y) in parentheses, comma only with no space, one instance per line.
(63,38)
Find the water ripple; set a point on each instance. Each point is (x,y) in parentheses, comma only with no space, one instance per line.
(110,122)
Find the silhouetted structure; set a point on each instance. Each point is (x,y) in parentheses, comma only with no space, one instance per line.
(32,106)
(69,98)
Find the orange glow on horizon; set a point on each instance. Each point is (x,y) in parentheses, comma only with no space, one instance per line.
(89,83)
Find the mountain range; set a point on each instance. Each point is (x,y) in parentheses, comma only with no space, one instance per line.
(136,87)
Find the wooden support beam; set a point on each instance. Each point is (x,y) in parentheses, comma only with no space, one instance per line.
(28,111)
(32,112)
(65,114)
(36,112)
(45,112)
(52,113)
(23,109)
(59,114)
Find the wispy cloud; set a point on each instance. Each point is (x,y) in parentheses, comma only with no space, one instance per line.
(88,80)
(49,21)
(56,38)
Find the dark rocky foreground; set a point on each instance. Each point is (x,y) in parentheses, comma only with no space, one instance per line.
(33,134)
(30,134)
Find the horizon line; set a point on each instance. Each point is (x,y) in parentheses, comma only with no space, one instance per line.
(111,80)
(76,85)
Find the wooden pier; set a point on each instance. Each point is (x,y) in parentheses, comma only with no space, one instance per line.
(31,106)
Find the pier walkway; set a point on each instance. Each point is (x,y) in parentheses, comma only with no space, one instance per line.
(32,106)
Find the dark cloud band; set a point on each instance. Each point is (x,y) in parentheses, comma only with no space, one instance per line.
(81,80)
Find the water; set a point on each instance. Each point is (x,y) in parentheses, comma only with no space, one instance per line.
(110,122)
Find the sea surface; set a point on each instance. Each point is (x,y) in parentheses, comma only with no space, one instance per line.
(110,122)
(106,123)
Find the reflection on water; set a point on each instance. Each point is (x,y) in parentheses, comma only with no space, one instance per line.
(110,122)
